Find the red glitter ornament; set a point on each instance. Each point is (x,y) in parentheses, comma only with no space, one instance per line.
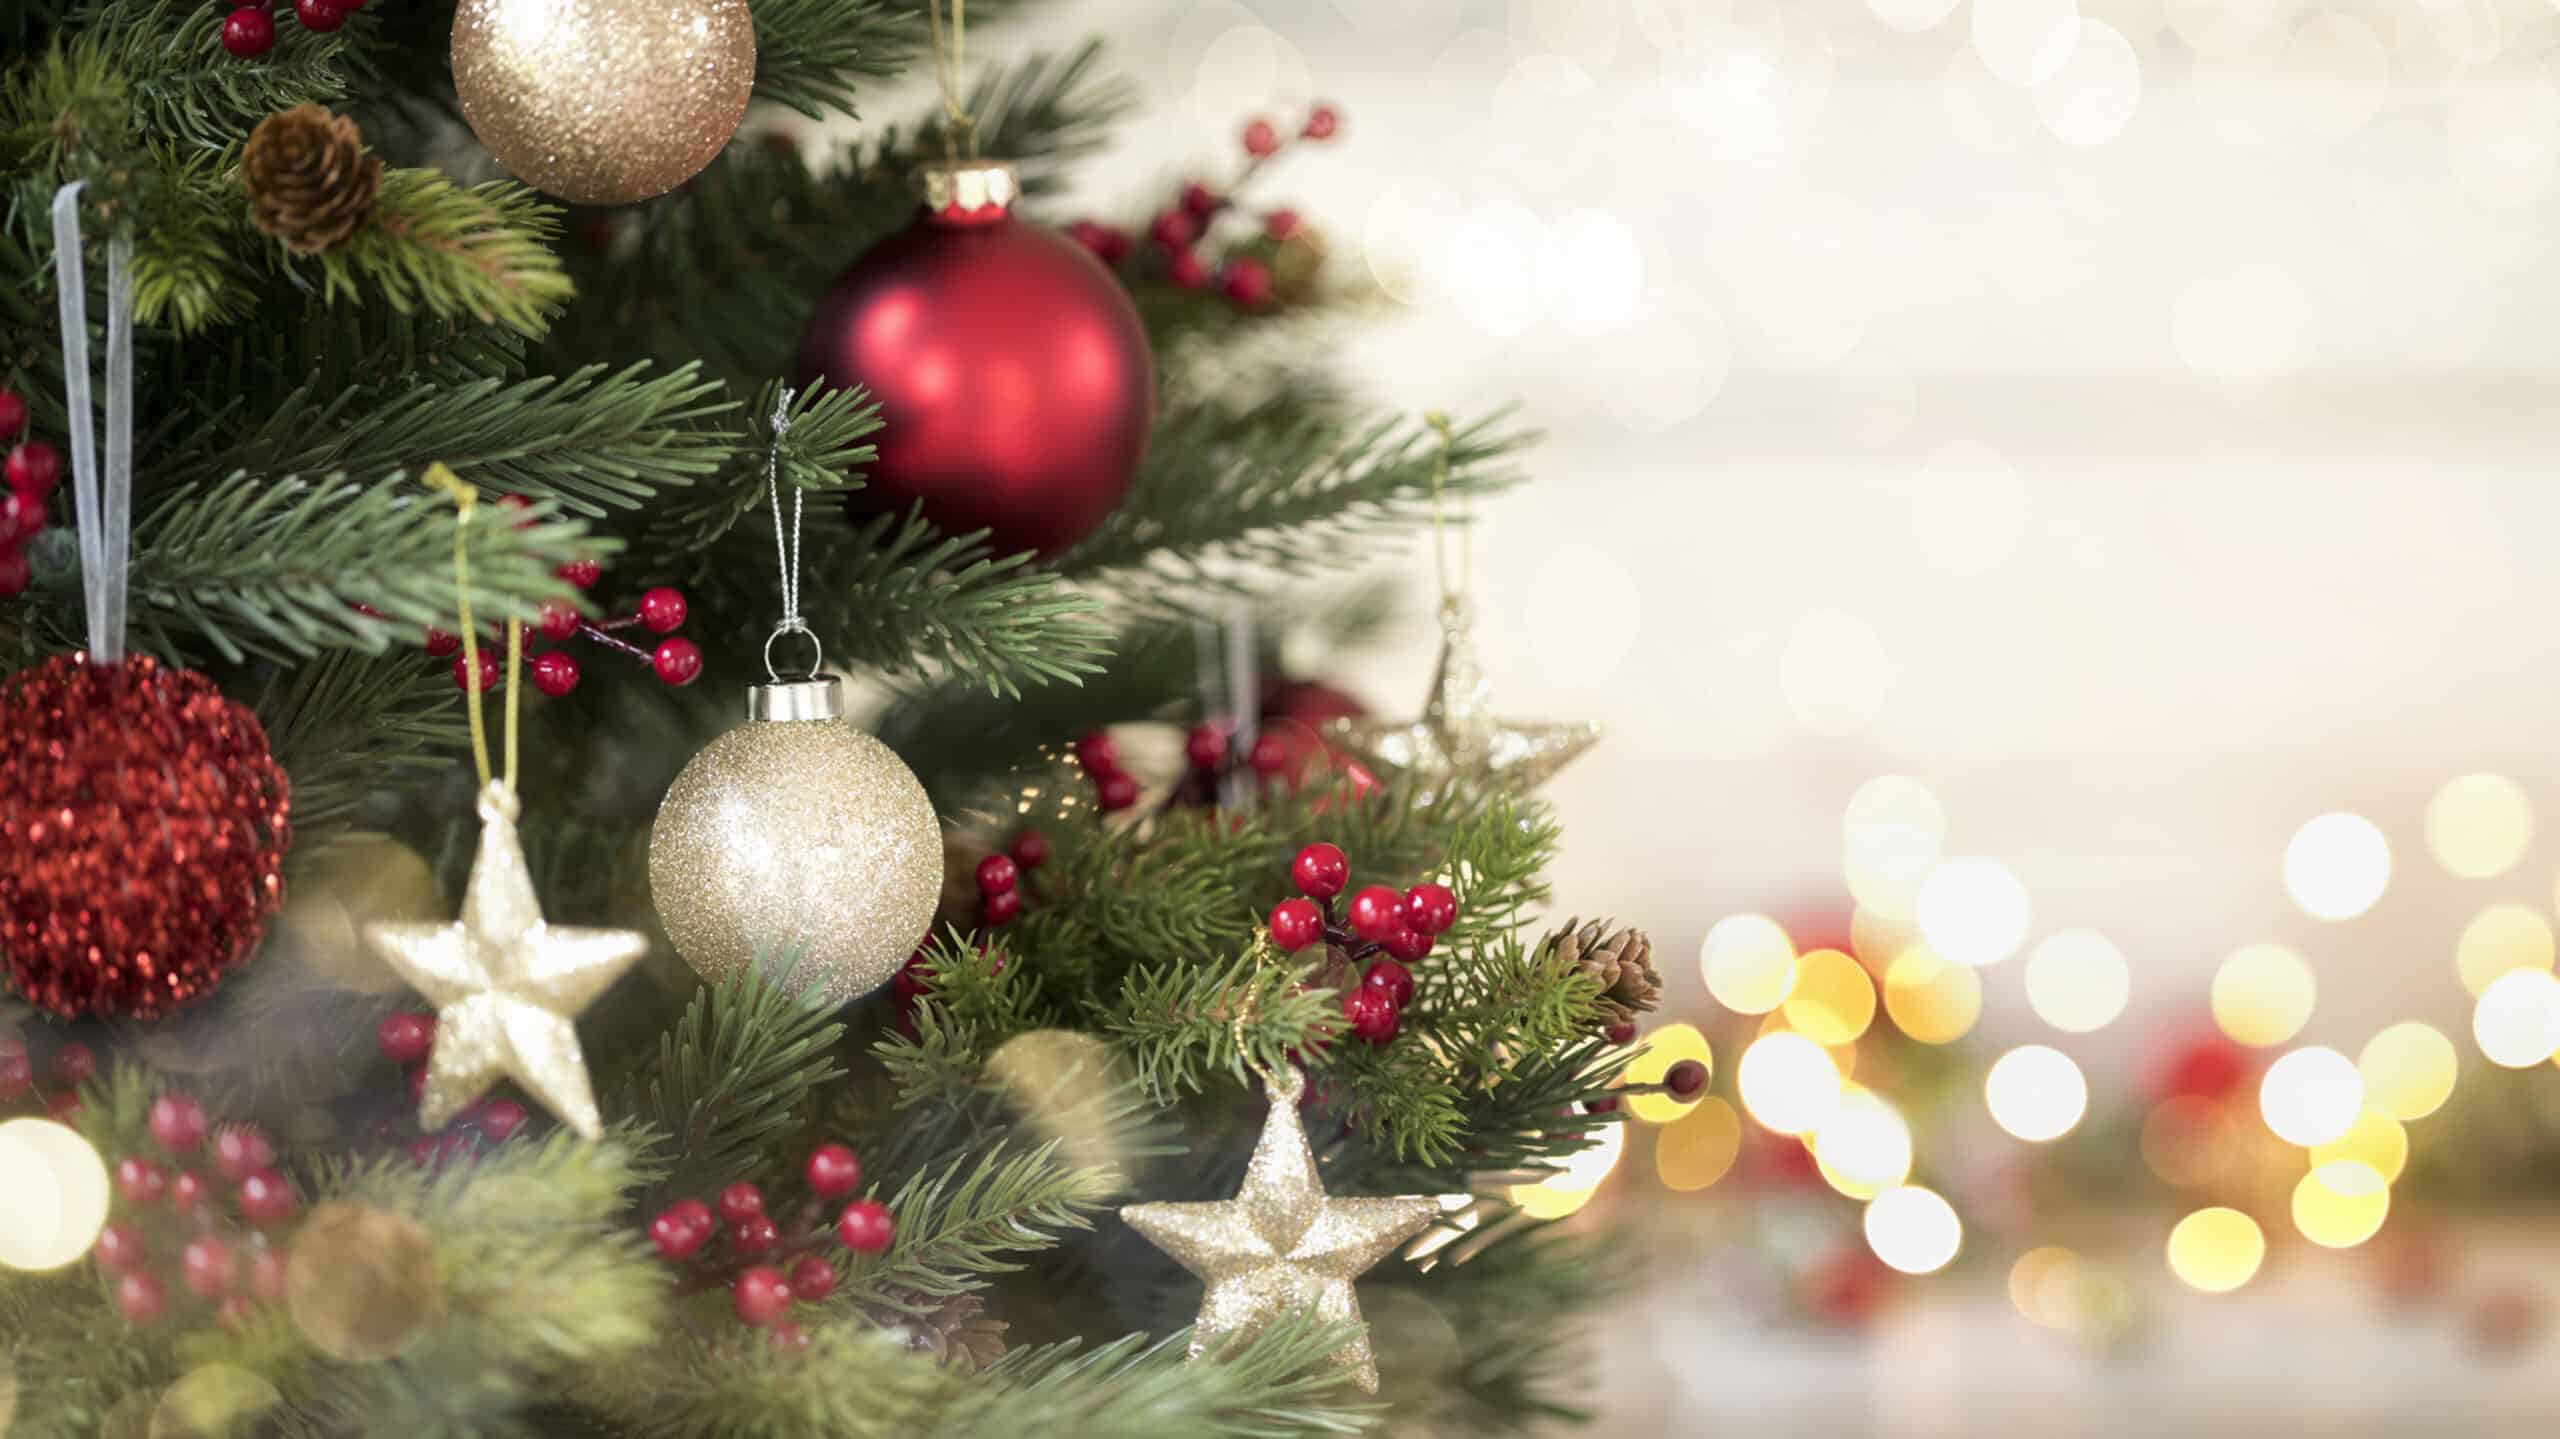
(142,835)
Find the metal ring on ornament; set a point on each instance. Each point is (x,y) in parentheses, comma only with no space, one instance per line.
(817,652)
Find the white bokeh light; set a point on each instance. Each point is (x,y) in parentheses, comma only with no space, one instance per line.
(2025,42)
(2517,1021)
(2311,1096)
(2036,1093)
(2092,97)
(1787,1082)
(1912,16)
(2337,866)
(1835,673)
(1974,910)
(1593,271)
(1913,1230)
(1968,507)
(1891,837)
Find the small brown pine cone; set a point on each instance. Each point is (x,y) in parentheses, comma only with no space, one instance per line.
(309,180)
(1621,961)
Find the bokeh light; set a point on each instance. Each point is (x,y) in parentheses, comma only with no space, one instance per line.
(2263,995)
(1748,962)
(53,1194)
(1576,1180)
(2500,940)
(1833,1001)
(2248,323)
(2025,42)
(1891,837)
(1788,1083)
(2077,981)
(2036,1093)
(1968,507)
(1912,16)
(2092,97)
(1931,999)
(1864,1148)
(2311,1096)
(2037,1279)
(1913,1230)
(2337,866)
(1662,1049)
(2375,1141)
(2517,1022)
(1834,673)
(1973,910)
(2408,1070)
(2341,1204)
(1697,1149)
(2216,1250)
(2478,825)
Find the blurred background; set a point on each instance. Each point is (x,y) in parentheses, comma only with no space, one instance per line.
(2047,500)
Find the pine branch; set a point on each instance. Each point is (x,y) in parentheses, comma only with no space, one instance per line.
(731,1076)
(185,87)
(1514,1301)
(819,452)
(1180,1024)
(437,248)
(1279,1385)
(809,53)
(956,1228)
(906,599)
(349,726)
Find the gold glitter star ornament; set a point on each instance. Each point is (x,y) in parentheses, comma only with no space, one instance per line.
(506,984)
(1282,1246)
(1459,736)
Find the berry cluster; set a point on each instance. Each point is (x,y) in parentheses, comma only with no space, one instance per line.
(249,31)
(72,1066)
(1114,788)
(34,468)
(1175,235)
(407,1039)
(675,660)
(773,1272)
(1401,926)
(165,1208)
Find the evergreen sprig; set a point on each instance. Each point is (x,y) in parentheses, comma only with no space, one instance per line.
(907,599)
(733,1076)
(346,724)
(432,247)
(1180,1025)
(959,1226)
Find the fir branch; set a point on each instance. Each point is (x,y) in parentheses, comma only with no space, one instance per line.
(1180,1024)
(1279,1385)
(349,726)
(959,1226)
(186,88)
(185,274)
(906,599)
(819,452)
(810,52)
(434,247)
(731,1075)
(1042,113)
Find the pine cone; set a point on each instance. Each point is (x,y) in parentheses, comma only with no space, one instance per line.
(309,180)
(958,1333)
(1622,962)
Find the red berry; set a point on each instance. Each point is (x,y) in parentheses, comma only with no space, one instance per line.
(1098,753)
(1297,924)
(1117,792)
(1685,1080)
(741,1202)
(1030,849)
(501,1118)
(488,672)
(1174,230)
(914,977)
(1320,871)
(13,414)
(833,1171)
(761,1296)
(1246,281)
(1377,913)
(17,1073)
(1620,1033)
(1281,224)
(440,643)
(681,1228)
(678,661)
(34,468)
(755,1236)
(521,506)
(15,572)
(206,1267)
(558,621)
(177,1123)
(248,33)
(140,1298)
(1430,908)
(120,1249)
(62,1106)
(265,1199)
(1407,944)
(997,875)
(581,573)
(266,1273)
(1605,1105)
(189,1192)
(997,910)
(555,672)
(812,1278)
(1371,1012)
(140,1183)
(75,1064)
(662,609)
(1269,757)
(22,517)
(1322,121)
(1260,139)
(1199,201)
(1205,746)
(1392,978)
(1106,244)
(405,1038)
(1186,269)
(318,15)
(241,1150)
(865,1227)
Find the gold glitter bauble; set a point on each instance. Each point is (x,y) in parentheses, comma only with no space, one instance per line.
(362,1282)
(604,101)
(797,834)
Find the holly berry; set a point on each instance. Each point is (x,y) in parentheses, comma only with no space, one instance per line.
(741,1202)
(677,660)
(555,672)
(754,1236)
(1377,913)
(761,1296)
(1392,979)
(1186,269)
(1030,849)
(22,517)
(1269,757)
(318,15)
(1174,230)
(833,1171)
(1107,244)
(140,1298)
(812,1278)
(440,643)
(120,1249)
(1281,224)
(15,572)
(997,874)
(189,1192)
(1430,908)
(1607,1104)
(865,1227)
(265,1199)
(177,1123)
(1685,1080)
(558,621)
(1322,121)
(75,1064)
(1199,201)
(997,910)
(206,1266)
(1407,944)
(248,33)
(1620,1034)
(914,977)
(1297,924)
(1098,753)
(1320,871)
(140,1183)
(1372,1013)
(488,672)
(266,1273)
(405,1038)
(1246,281)
(501,1118)
(581,573)
(13,414)
(1116,792)
(1205,746)
(681,1228)
(663,609)
(1260,139)
(34,468)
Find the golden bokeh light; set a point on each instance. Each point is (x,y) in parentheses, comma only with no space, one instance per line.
(1864,1148)
(2375,1141)
(1833,1001)
(1913,1230)
(2036,1093)
(1891,838)
(2037,1280)
(2408,1070)
(2517,1022)
(363,1283)
(2077,981)
(1697,1149)
(2216,1250)
(1931,999)
(1576,1180)
(217,1401)
(53,1195)
(2341,1204)
(2311,1096)
(1876,939)
(2500,940)
(2337,866)
(1788,1083)
(1974,910)
(2263,995)
(1749,963)
(2478,825)
(2189,1141)
(1662,1049)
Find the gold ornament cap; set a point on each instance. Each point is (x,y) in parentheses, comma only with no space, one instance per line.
(786,701)
(971,190)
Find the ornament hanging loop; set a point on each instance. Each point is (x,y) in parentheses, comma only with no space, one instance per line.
(1458,578)
(104,497)
(950,54)
(817,655)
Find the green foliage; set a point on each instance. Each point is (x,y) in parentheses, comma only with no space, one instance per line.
(957,1227)
(904,598)
(819,453)
(439,248)
(346,724)
(733,1076)
(810,53)
(1180,1025)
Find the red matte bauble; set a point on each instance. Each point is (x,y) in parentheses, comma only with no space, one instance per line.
(1013,376)
(142,835)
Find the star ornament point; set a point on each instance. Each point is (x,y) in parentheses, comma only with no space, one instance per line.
(1459,737)
(506,984)
(1282,1246)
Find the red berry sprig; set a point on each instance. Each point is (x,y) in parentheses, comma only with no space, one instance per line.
(767,1267)
(661,610)
(999,890)
(1387,929)
(1114,788)
(172,1242)
(1174,234)
(33,469)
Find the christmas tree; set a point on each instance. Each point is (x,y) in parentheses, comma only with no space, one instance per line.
(430,421)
